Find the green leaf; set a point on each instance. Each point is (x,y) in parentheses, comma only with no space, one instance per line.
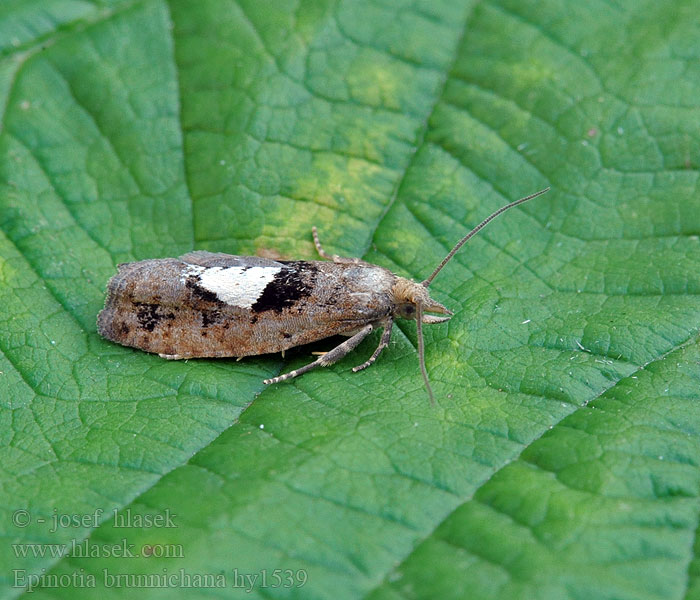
(561,458)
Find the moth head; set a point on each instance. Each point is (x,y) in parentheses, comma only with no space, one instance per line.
(412,299)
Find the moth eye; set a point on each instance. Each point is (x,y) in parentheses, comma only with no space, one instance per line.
(407,311)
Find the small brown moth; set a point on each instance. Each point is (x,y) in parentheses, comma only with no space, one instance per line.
(207,304)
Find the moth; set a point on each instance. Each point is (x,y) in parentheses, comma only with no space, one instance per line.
(206,304)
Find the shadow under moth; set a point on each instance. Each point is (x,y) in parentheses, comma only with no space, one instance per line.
(206,304)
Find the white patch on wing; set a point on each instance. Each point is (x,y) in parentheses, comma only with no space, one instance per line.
(191,270)
(237,286)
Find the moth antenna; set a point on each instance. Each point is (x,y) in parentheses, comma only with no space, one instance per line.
(421,351)
(480,226)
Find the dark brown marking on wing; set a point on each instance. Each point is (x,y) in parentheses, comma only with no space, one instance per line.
(293,282)
(211,317)
(193,283)
(149,315)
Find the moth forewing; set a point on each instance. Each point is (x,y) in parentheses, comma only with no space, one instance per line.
(206,304)
(217,305)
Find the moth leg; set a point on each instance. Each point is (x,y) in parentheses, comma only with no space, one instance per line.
(329,357)
(334,257)
(383,343)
